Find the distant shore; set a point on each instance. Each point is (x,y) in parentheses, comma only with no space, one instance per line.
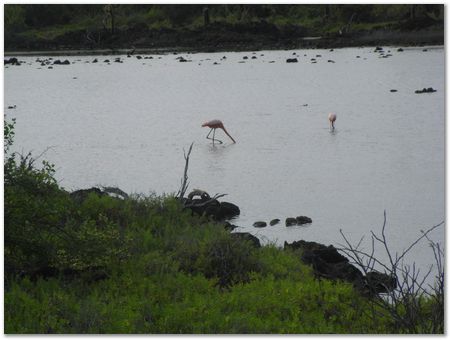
(217,40)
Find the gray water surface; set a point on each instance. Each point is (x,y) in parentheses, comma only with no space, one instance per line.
(127,124)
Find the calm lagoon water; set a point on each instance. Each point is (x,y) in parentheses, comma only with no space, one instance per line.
(127,124)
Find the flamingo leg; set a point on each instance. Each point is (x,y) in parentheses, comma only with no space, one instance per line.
(213,130)
(207,136)
(214,133)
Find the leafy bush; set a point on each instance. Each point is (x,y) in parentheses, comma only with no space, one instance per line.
(45,231)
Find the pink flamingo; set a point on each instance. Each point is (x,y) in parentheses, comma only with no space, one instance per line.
(213,125)
(332,118)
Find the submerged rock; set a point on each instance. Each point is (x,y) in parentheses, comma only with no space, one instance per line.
(303,220)
(424,90)
(275,221)
(59,62)
(12,61)
(260,224)
(299,220)
(290,221)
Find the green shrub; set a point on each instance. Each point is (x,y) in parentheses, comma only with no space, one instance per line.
(45,230)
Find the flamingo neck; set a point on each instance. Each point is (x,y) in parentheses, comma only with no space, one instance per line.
(224,130)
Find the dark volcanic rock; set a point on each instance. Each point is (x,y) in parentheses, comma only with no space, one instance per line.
(292,60)
(12,61)
(327,262)
(260,224)
(424,90)
(229,226)
(303,220)
(219,211)
(380,283)
(248,237)
(59,62)
(290,221)
(274,221)
(229,210)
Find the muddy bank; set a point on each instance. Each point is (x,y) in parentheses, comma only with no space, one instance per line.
(215,38)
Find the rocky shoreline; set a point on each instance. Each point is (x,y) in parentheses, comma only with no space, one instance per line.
(325,261)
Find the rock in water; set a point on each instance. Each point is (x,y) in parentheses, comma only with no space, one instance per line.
(259,224)
(290,221)
(274,221)
(303,220)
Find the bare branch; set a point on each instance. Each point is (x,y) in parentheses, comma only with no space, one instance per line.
(405,303)
(184,181)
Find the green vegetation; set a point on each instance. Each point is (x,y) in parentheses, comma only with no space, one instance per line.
(105,25)
(98,264)
(19,17)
